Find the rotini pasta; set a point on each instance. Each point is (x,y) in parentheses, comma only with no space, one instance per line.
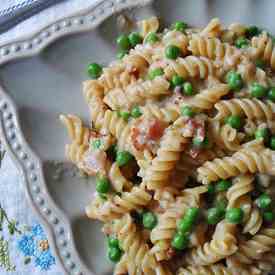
(162,234)
(190,66)
(218,269)
(241,162)
(181,140)
(214,49)
(263,48)
(213,28)
(137,94)
(206,99)
(221,246)
(251,108)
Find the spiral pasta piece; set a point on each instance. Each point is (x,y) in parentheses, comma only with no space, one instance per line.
(75,153)
(242,185)
(213,48)
(213,28)
(148,25)
(167,114)
(254,222)
(263,48)
(116,77)
(237,196)
(206,99)
(140,57)
(107,121)
(224,136)
(251,108)
(119,205)
(119,182)
(76,130)
(222,245)
(267,262)
(178,39)
(168,154)
(246,160)
(137,93)
(217,269)
(190,66)
(135,247)
(92,89)
(255,248)
(163,233)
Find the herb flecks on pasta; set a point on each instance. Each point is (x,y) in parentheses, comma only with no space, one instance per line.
(181,140)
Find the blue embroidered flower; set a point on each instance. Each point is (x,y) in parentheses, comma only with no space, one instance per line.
(34,243)
(45,260)
(38,231)
(27,245)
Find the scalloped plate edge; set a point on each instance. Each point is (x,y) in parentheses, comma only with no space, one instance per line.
(28,163)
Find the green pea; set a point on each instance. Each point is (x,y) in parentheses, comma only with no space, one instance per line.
(123,42)
(262,133)
(264,201)
(184,225)
(121,54)
(114,254)
(197,142)
(179,26)
(151,38)
(211,189)
(241,42)
(94,70)
(125,115)
(188,89)
(234,80)
(135,38)
(102,185)
(155,72)
(180,241)
(192,214)
(257,90)
(172,52)
(187,111)
(214,215)
(234,215)
(123,157)
(272,143)
(223,185)
(96,144)
(268,216)
(271,94)
(177,80)
(136,112)
(252,31)
(235,122)
(260,63)
(221,204)
(149,220)
(113,242)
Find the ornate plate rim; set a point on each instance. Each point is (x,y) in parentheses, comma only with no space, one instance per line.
(29,165)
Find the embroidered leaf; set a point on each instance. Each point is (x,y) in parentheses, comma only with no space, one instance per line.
(27,260)
(5,261)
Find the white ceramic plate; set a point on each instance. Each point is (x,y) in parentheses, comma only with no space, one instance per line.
(41,77)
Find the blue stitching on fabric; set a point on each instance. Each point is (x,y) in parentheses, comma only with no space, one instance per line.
(18,6)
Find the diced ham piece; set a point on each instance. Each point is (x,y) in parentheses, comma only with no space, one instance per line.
(155,130)
(146,132)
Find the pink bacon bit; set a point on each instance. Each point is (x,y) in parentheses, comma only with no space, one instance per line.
(146,132)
